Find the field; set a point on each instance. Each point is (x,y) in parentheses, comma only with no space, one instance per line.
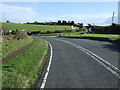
(29,27)
(77,34)
(22,70)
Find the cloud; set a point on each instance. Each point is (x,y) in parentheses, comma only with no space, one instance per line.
(109,20)
(97,19)
(25,14)
(61,0)
(17,14)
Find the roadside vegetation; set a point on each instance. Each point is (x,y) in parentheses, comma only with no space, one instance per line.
(10,43)
(48,34)
(22,70)
(112,37)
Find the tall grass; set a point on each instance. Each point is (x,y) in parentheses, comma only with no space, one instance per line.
(11,45)
(22,70)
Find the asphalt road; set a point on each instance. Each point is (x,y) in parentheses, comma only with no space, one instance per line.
(73,67)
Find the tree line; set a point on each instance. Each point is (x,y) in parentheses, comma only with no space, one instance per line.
(59,22)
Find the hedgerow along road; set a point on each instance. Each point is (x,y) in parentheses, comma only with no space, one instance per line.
(81,63)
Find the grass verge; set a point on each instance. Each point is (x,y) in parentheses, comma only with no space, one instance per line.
(22,70)
(48,34)
(111,37)
(9,46)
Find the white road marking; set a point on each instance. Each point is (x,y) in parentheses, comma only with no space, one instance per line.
(114,70)
(48,68)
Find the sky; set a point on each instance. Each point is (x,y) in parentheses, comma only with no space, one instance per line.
(98,13)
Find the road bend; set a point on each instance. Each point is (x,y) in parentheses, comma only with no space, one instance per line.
(82,63)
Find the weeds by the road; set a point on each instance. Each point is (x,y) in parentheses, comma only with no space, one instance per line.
(77,35)
(10,45)
(22,70)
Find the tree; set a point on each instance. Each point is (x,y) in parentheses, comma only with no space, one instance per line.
(81,25)
(7,21)
(69,23)
(90,25)
(114,24)
(72,23)
(28,23)
(35,22)
(59,22)
(64,22)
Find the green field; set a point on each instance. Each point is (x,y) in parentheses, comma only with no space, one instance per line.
(30,27)
(77,34)
(22,70)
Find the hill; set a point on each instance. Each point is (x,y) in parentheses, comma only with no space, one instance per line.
(29,27)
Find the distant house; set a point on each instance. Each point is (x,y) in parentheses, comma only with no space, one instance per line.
(73,29)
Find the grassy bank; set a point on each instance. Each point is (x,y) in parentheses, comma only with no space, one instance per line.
(112,37)
(30,27)
(10,45)
(22,70)
(49,34)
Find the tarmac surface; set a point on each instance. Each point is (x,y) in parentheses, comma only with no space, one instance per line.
(77,63)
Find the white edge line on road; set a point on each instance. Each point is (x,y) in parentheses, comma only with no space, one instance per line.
(48,68)
(94,57)
(108,68)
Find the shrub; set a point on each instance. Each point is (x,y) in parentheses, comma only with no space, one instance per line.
(20,36)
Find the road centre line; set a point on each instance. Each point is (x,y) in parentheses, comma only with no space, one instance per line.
(114,70)
(48,67)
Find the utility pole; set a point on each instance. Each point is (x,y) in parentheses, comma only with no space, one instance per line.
(113,18)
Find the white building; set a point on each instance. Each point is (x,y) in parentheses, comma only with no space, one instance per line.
(73,29)
(119,12)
